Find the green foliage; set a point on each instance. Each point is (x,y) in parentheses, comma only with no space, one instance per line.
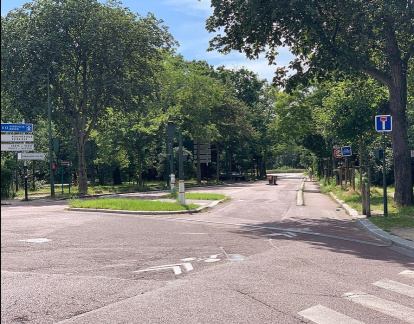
(6,182)
(331,39)
(91,54)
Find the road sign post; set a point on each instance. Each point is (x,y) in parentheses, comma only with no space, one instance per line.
(171,134)
(181,185)
(383,124)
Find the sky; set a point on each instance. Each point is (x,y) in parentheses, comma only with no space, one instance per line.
(186,22)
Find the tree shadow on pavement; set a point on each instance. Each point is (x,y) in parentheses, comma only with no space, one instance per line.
(339,236)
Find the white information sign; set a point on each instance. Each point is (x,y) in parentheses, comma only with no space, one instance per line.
(17,138)
(17,147)
(31,156)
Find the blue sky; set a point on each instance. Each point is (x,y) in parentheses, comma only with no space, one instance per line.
(186,22)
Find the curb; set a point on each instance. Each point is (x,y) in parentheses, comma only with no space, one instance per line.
(373,229)
(348,209)
(384,236)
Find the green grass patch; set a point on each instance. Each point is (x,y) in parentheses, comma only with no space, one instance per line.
(403,218)
(397,216)
(199,196)
(130,204)
(286,170)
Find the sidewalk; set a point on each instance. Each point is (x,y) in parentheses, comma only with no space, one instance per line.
(363,220)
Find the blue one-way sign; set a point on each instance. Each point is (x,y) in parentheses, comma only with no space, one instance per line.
(21,128)
(346,151)
(383,123)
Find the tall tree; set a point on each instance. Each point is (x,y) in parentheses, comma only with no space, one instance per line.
(373,37)
(96,54)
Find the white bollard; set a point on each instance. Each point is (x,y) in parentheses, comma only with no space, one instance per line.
(181,192)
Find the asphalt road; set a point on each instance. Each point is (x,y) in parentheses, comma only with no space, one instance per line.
(256,258)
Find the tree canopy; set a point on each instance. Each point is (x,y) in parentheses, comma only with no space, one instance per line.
(372,37)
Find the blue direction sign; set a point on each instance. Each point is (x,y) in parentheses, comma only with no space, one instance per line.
(346,151)
(21,128)
(383,123)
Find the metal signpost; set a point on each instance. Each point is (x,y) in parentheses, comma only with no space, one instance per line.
(170,152)
(18,147)
(181,185)
(383,124)
(17,143)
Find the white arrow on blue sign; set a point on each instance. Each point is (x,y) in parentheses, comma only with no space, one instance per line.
(383,123)
(21,128)
(346,151)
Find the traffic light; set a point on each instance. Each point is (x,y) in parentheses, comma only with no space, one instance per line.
(54,166)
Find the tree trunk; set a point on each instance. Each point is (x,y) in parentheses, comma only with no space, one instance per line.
(402,164)
(82,175)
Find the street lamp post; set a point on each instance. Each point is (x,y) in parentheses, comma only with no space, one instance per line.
(181,185)
(170,136)
(49,119)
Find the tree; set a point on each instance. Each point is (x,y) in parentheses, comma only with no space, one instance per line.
(373,37)
(98,56)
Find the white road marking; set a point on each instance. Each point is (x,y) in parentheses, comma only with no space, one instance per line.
(323,315)
(407,273)
(36,240)
(174,267)
(387,307)
(188,259)
(396,287)
(287,234)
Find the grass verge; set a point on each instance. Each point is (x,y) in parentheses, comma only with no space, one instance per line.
(402,217)
(131,204)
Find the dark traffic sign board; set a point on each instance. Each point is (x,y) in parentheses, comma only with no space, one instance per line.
(346,151)
(21,128)
(383,123)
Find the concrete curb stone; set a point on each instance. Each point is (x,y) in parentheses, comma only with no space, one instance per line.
(373,229)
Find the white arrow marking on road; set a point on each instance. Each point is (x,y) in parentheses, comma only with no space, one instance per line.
(175,268)
(407,273)
(287,234)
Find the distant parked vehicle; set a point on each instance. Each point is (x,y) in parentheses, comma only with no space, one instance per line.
(235,176)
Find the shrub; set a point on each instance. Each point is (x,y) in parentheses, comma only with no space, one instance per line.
(6,182)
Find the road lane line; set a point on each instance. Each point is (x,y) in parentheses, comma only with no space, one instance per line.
(386,307)
(324,315)
(396,287)
(407,273)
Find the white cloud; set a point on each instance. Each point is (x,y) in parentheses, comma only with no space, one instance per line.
(192,7)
